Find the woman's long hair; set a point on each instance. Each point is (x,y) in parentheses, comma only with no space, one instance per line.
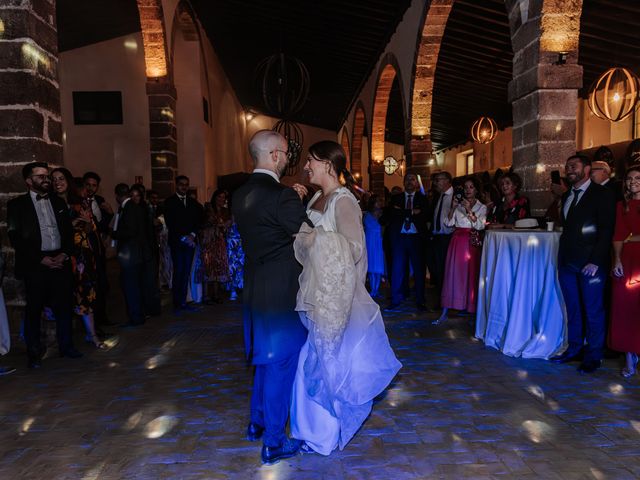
(332,152)
(73,192)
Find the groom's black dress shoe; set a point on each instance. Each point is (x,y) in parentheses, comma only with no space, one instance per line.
(254,432)
(589,366)
(566,357)
(289,448)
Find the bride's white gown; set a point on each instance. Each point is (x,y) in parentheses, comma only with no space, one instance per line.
(347,359)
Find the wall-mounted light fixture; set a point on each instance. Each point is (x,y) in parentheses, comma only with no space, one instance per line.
(562,58)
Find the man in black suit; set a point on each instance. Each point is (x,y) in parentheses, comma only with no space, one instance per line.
(134,235)
(588,216)
(601,174)
(103,214)
(268,215)
(40,231)
(406,220)
(183,216)
(440,233)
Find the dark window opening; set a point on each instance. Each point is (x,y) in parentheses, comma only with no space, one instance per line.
(97,108)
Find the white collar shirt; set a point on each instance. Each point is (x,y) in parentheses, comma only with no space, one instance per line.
(567,204)
(445,200)
(267,172)
(49,233)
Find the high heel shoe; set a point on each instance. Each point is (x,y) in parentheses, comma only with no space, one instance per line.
(628,373)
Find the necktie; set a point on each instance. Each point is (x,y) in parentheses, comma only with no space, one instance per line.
(183,199)
(439,215)
(410,201)
(42,197)
(574,202)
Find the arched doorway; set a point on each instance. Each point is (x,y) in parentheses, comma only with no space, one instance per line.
(360,147)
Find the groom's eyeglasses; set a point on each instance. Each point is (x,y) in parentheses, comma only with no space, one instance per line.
(286,152)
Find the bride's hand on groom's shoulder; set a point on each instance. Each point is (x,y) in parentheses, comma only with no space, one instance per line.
(301,190)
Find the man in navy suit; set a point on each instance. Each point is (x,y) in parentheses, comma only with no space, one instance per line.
(588,218)
(40,231)
(183,215)
(268,215)
(406,220)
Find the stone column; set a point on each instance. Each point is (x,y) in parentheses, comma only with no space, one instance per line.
(164,145)
(419,153)
(30,124)
(544,97)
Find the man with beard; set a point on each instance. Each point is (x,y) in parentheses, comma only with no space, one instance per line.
(41,233)
(268,215)
(588,217)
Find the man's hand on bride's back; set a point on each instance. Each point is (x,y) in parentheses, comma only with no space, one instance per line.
(300,189)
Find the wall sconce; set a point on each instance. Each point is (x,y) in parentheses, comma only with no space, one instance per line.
(562,58)
(249,115)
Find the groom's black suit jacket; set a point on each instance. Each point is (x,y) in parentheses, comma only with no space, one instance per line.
(268,214)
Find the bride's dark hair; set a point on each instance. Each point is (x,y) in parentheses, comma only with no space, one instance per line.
(333,153)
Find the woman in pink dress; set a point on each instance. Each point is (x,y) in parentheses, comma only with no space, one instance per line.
(460,288)
(624,332)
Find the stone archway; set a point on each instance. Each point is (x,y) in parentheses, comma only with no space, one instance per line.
(543,91)
(357,133)
(162,98)
(344,141)
(430,40)
(388,73)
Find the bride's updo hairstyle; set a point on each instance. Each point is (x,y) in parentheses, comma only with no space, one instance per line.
(332,153)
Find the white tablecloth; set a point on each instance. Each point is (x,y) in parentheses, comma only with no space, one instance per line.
(521,311)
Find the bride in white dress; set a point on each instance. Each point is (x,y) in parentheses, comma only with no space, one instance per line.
(347,359)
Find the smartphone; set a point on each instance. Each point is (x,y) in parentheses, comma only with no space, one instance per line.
(555,177)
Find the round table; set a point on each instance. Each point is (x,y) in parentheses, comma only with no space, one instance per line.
(521,311)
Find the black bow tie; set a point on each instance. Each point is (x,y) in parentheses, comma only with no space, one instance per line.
(42,197)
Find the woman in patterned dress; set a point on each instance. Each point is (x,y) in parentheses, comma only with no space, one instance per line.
(235,256)
(513,206)
(83,259)
(213,246)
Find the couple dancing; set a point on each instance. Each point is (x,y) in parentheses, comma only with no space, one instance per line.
(314,334)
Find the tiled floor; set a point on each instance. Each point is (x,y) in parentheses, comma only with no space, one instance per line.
(171,400)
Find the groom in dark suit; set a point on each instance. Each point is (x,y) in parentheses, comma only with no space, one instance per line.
(40,231)
(268,215)
(588,217)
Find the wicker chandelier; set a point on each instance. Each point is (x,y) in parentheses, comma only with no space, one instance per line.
(614,94)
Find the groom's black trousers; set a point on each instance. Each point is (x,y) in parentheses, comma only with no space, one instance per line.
(271,398)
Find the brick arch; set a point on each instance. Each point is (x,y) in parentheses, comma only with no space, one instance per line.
(344,141)
(153,38)
(427,51)
(357,132)
(388,72)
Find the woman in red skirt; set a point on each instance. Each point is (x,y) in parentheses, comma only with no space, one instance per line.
(624,334)
(467,215)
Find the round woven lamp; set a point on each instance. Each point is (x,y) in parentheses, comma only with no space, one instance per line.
(484,130)
(614,94)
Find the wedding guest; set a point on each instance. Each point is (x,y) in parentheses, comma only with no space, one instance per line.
(61,179)
(183,215)
(102,214)
(83,259)
(386,236)
(588,215)
(235,256)
(467,217)
(512,206)
(440,232)
(373,237)
(601,174)
(151,296)
(40,231)
(213,246)
(5,335)
(557,191)
(406,221)
(624,332)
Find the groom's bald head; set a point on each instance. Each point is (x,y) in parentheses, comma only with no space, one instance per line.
(269,151)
